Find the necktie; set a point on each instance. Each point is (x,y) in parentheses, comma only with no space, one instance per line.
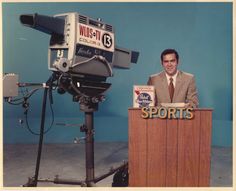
(171,89)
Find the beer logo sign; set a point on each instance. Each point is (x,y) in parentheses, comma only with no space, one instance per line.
(143,96)
(143,99)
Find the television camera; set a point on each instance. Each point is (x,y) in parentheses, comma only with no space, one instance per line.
(81,52)
(81,56)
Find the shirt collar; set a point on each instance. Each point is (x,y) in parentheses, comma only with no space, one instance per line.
(174,77)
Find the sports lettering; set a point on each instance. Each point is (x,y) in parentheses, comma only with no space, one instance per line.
(167,113)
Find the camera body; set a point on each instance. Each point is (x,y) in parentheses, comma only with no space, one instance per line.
(81,53)
(87,46)
(81,45)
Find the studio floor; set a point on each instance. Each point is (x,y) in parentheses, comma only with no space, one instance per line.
(68,161)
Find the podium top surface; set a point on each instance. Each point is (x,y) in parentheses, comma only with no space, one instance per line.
(196,109)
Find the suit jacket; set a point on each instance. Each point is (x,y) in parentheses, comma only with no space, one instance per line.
(185,88)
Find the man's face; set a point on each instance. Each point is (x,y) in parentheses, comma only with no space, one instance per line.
(170,64)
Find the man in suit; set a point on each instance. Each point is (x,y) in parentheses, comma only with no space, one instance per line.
(172,85)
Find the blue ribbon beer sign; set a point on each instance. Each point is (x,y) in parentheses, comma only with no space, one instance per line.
(143,96)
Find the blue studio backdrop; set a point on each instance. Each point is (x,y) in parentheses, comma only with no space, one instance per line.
(200,32)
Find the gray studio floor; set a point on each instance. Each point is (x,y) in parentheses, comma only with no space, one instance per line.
(67,161)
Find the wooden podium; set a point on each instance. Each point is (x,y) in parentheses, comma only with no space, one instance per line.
(170,152)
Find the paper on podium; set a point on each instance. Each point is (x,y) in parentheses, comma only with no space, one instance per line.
(173,104)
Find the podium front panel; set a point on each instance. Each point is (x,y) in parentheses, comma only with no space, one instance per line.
(156,152)
(169,152)
(188,151)
(138,143)
(205,149)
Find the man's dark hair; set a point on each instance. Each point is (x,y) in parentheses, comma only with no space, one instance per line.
(170,51)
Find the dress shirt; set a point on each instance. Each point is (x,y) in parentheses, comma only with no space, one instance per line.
(174,78)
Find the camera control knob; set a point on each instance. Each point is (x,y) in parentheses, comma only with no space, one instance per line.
(62,64)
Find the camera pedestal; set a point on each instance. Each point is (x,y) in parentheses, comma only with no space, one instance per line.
(88,107)
(88,128)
